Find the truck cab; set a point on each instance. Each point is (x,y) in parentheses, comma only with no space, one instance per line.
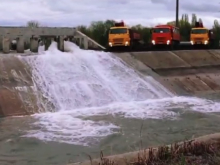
(165,35)
(200,35)
(119,35)
(123,36)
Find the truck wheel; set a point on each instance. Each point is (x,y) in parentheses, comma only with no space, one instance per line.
(110,49)
(177,45)
(172,45)
(211,43)
(208,46)
(131,47)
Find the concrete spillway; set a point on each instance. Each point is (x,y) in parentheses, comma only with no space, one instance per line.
(185,72)
(181,72)
(16,87)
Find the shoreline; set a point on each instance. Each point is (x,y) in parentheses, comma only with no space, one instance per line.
(205,143)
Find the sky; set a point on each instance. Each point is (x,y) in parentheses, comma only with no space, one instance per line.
(72,13)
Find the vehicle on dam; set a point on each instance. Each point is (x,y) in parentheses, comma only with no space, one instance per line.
(165,35)
(201,36)
(122,36)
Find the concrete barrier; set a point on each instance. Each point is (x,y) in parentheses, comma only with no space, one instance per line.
(160,60)
(198,57)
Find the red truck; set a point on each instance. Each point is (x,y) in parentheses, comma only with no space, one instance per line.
(165,35)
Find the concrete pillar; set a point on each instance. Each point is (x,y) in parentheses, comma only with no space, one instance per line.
(47,42)
(6,45)
(81,42)
(77,41)
(60,43)
(86,43)
(20,44)
(34,44)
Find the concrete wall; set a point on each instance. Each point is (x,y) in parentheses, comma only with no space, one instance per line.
(192,72)
(139,64)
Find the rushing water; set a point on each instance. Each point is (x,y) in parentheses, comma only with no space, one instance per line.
(93,101)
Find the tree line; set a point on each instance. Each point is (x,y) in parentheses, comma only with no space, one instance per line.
(98,30)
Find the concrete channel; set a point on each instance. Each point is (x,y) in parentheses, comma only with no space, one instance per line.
(192,73)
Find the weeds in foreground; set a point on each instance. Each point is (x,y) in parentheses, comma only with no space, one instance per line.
(188,153)
(105,161)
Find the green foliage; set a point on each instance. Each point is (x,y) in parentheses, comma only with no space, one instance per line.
(99,30)
(33,24)
(185,27)
(144,32)
(216,29)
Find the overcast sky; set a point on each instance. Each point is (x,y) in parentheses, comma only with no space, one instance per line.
(76,12)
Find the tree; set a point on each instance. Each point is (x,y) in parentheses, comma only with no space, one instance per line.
(144,32)
(99,31)
(216,30)
(33,24)
(185,27)
(200,20)
(85,30)
(194,20)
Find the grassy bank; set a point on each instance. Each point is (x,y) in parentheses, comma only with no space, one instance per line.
(189,153)
(204,150)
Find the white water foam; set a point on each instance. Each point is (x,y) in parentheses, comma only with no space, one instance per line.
(89,83)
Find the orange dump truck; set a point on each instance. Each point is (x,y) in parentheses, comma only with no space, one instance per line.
(122,36)
(201,36)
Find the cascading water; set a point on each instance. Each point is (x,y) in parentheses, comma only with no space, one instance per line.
(84,79)
(83,83)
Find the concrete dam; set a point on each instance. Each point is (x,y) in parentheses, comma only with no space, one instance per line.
(191,73)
